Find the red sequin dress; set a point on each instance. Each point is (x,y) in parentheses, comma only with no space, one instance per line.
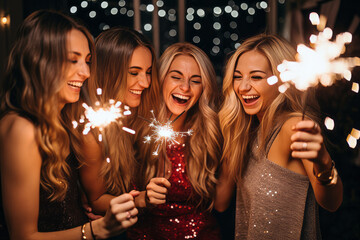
(178,217)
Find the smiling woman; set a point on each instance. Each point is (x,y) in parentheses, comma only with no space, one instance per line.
(180,202)
(39,193)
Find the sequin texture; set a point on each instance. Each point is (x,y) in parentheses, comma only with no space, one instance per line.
(178,218)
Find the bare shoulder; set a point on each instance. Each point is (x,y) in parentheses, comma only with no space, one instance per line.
(16,128)
(287,128)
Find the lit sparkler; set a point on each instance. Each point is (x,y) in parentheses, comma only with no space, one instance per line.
(164,133)
(102,115)
(321,63)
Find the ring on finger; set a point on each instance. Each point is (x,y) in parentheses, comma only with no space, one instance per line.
(304,146)
(128,215)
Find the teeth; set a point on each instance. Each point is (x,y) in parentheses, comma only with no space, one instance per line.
(181,96)
(138,92)
(250,97)
(75,84)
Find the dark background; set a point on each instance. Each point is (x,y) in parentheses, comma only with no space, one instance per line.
(337,101)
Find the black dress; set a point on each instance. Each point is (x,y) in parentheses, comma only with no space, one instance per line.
(57,215)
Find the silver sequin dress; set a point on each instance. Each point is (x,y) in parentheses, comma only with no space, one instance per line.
(273,202)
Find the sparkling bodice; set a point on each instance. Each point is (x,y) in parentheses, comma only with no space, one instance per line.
(178,218)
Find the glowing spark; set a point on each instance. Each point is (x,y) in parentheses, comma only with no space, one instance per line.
(108,160)
(102,115)
(75,124)
(355,87)
(163,133)
(355,133)
(272,80)
(351,141)
(321,63)
(329,123)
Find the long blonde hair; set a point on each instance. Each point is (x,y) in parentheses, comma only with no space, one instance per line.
(203,147)
(114,49)
(237,127)
(34,77)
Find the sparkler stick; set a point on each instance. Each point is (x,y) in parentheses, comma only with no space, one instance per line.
(163,133)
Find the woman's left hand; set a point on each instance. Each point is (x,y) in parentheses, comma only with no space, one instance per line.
(307,143)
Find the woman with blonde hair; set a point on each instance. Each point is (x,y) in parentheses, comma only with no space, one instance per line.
(277,160)
(180,202)
(39,193)
(125,71)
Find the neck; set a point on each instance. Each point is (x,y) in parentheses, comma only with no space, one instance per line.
(179,123)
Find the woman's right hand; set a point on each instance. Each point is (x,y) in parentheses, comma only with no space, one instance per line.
(157,190)
(121,214)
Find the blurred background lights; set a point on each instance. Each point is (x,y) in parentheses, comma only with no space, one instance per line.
(197,26)
(244,6)
(150,8)
(251,11)
(172,18)
(233,24)
(123,10)
(142,7)
(234,37)
(263,5)
(160,3)
(189,17)
(228,9)
(237,45)
(190,11)
(200,12)
(73,9)
(217,11)
(104,4)
(196,39)
(147,27)
(281,1)
(84,4)
(122,3)
(355,87)
(216,41)
(234,14)
(92,14)
(217,26)
(130,13)
(215,49)
(114,11)
(161,13)
(172,33)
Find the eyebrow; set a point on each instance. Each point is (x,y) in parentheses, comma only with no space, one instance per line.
(177,71)
(135,67)
(79,54)
(254,71)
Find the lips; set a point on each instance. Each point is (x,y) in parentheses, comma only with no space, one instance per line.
(136,92)
(75,84)
(180,99)
(250,99)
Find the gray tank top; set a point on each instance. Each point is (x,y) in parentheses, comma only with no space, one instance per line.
(273,202)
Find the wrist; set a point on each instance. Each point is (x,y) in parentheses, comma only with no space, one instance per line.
(99,229)
(140,200)
(328,176)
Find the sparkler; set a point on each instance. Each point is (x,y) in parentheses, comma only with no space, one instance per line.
(164,133)
(320,64)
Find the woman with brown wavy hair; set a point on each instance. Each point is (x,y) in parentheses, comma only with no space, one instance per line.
(179,206)
(126,71)
(277,160)
(40,200)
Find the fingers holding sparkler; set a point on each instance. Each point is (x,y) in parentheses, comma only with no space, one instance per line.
(157,190)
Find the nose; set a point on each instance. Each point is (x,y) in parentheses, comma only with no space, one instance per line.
(84,71)
(244,85)
(144,80)
(185,85)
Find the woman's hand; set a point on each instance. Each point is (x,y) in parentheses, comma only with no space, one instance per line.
(157,190)
(307,143)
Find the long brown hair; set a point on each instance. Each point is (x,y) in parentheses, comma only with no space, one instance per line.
(203,147)
(34,77)
(238,127)
(114,49)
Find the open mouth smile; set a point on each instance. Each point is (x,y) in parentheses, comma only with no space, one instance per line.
(181,99)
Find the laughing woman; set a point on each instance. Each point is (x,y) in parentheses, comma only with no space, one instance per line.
(278,161)
(40,200)
(126,72)
(179,206)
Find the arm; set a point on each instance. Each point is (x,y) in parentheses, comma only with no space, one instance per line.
(20,179)
(224,189)
(91,181)
(316,159)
